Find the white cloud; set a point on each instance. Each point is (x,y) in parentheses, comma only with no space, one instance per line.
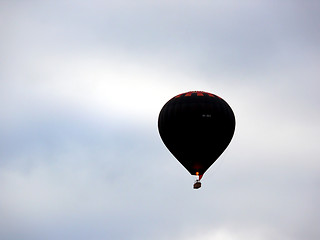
(81,88)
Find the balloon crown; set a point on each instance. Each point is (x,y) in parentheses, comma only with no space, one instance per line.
(197,93)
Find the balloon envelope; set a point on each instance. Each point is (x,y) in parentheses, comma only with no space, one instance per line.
(196,127)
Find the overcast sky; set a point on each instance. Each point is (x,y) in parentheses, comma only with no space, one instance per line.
(81,87)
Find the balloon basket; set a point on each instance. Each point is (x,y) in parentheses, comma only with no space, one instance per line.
(197,184)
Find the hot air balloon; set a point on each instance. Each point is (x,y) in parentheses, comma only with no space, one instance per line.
(196,127)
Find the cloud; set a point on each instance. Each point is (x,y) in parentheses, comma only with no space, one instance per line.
(83,83)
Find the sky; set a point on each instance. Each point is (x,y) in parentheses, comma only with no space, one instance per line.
(81,87)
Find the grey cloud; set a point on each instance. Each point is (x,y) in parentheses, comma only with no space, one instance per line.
(214,40)
(112,183)
(71,173)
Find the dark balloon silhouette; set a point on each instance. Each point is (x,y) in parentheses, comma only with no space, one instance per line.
(196,127)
